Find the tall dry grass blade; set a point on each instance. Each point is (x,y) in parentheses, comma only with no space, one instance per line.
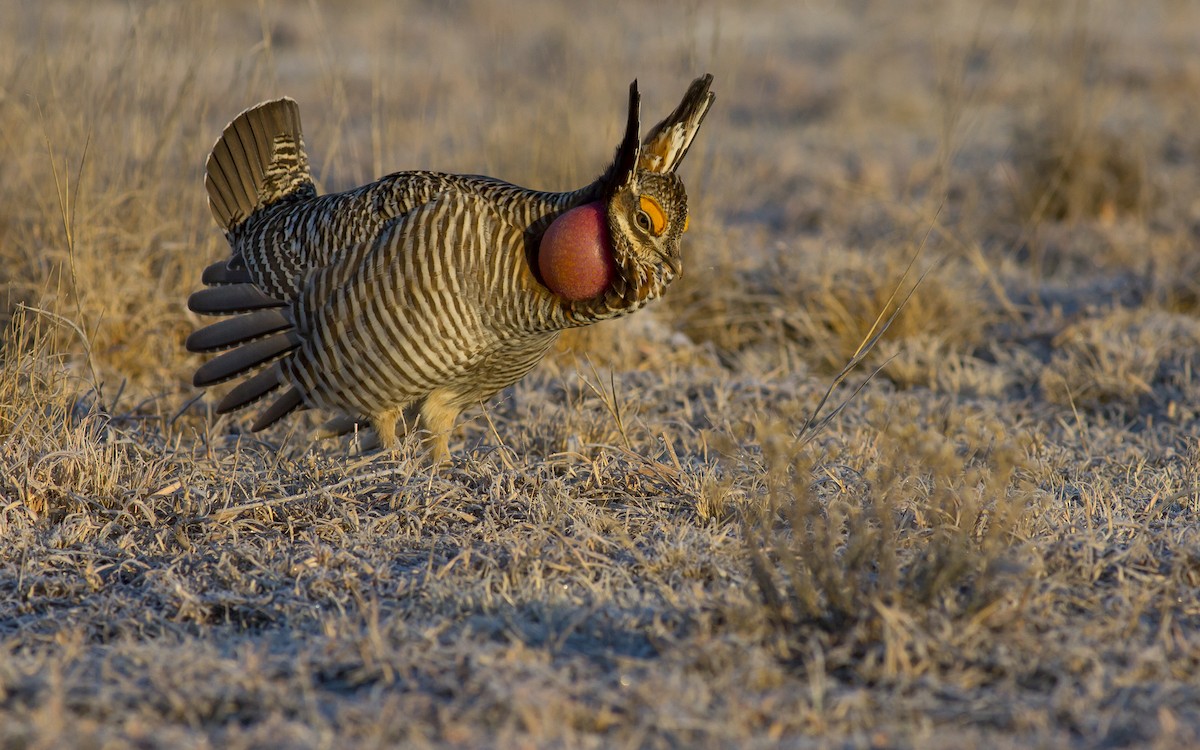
(610,400)
(68,202)
(812,425)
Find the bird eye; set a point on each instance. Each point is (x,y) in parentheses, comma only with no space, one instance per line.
(656,218)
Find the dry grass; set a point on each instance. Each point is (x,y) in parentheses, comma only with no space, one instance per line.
(993,544)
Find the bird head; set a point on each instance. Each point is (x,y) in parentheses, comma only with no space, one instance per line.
(647,217)
(647,203)
(645,210)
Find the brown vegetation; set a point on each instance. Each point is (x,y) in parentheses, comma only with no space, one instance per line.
(646,542)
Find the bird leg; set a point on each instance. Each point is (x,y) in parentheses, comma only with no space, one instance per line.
(385,427)
(438,412)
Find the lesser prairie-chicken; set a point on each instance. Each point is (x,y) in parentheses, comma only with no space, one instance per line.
(421,292)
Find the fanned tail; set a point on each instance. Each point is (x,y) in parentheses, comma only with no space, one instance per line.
(258,160)
(258,336)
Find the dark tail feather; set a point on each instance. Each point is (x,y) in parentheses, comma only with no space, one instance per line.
(250,391)
(239,330)
(265,347)
(239,361)
(232,299)
(289,402)
(626,159)
(220,273)
(668,142)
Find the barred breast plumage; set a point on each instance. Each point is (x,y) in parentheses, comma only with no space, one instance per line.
(419,291)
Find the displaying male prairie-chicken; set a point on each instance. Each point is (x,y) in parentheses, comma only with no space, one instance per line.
(421,293)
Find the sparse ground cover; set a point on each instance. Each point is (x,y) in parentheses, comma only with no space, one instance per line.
(993,544)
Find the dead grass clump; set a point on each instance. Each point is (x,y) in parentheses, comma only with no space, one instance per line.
(1177,278)
(818,304)
(922,522)
(925,360)
(1077,156)
(1070,168)
(47,431)
(62,454)
(635,342)
(1123,359)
